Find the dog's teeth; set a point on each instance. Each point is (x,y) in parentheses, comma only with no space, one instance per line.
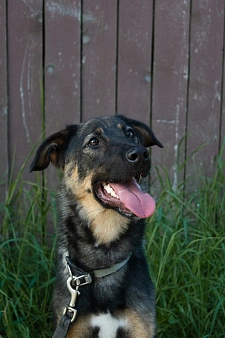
(110,190)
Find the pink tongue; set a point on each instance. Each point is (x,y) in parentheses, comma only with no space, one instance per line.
(134,199)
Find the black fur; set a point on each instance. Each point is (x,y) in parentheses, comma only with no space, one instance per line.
(104,149)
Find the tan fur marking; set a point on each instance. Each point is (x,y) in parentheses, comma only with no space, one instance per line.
(136,325)
(53,158)
(81,328)
(106,224)
(99,131)
(119,126)
(139,327)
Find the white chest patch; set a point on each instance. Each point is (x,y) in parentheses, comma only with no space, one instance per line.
(108,325)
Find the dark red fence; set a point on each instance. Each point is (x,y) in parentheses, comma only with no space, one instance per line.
(160,61)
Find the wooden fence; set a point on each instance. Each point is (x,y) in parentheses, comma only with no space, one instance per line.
(159,61)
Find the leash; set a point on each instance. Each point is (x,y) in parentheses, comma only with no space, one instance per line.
(73,284)
(69,313)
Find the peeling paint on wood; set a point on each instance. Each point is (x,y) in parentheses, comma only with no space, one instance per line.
(24,66)
(66,9)
(22,82)
(97,63)
(170,81)
(205,81)
(134,59)
(99,59)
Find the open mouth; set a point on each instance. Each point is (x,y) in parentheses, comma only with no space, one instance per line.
(127,197)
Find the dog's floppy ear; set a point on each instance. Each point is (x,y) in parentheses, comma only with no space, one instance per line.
(53,150)
(147,136)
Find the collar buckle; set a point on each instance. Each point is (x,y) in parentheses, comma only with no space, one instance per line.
(82,280)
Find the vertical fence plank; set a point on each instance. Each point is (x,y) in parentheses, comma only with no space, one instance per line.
(99,58)
(134,59)
(62,64)
(3,103)
(222,117)
(25,63)
(170,81)
(62,69)
(207,26)
(222,136)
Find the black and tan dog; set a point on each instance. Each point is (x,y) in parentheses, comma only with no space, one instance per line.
(101,228)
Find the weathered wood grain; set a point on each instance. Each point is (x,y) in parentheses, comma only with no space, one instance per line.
(207,27)
(98,58)
(24,73)
(134,59)
(62,64)
(170,82)
(62,69)
(222,112)
(3,103)
(158,61)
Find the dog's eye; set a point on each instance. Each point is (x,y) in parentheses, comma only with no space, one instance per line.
(94,142)
(130,133)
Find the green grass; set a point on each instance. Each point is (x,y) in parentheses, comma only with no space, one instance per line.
(27,260)
(186,251)
(185,248)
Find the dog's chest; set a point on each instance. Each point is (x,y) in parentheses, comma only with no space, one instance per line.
(103,325)
(108,326)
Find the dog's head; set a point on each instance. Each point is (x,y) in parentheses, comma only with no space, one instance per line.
(103,160)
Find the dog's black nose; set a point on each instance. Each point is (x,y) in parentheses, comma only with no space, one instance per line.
(137,154)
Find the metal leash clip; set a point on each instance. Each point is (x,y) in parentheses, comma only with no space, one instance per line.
(73,283)
(74,293)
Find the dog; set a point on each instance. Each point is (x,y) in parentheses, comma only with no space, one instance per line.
(103,288)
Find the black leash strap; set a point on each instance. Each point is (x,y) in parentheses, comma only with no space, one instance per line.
(63,327)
